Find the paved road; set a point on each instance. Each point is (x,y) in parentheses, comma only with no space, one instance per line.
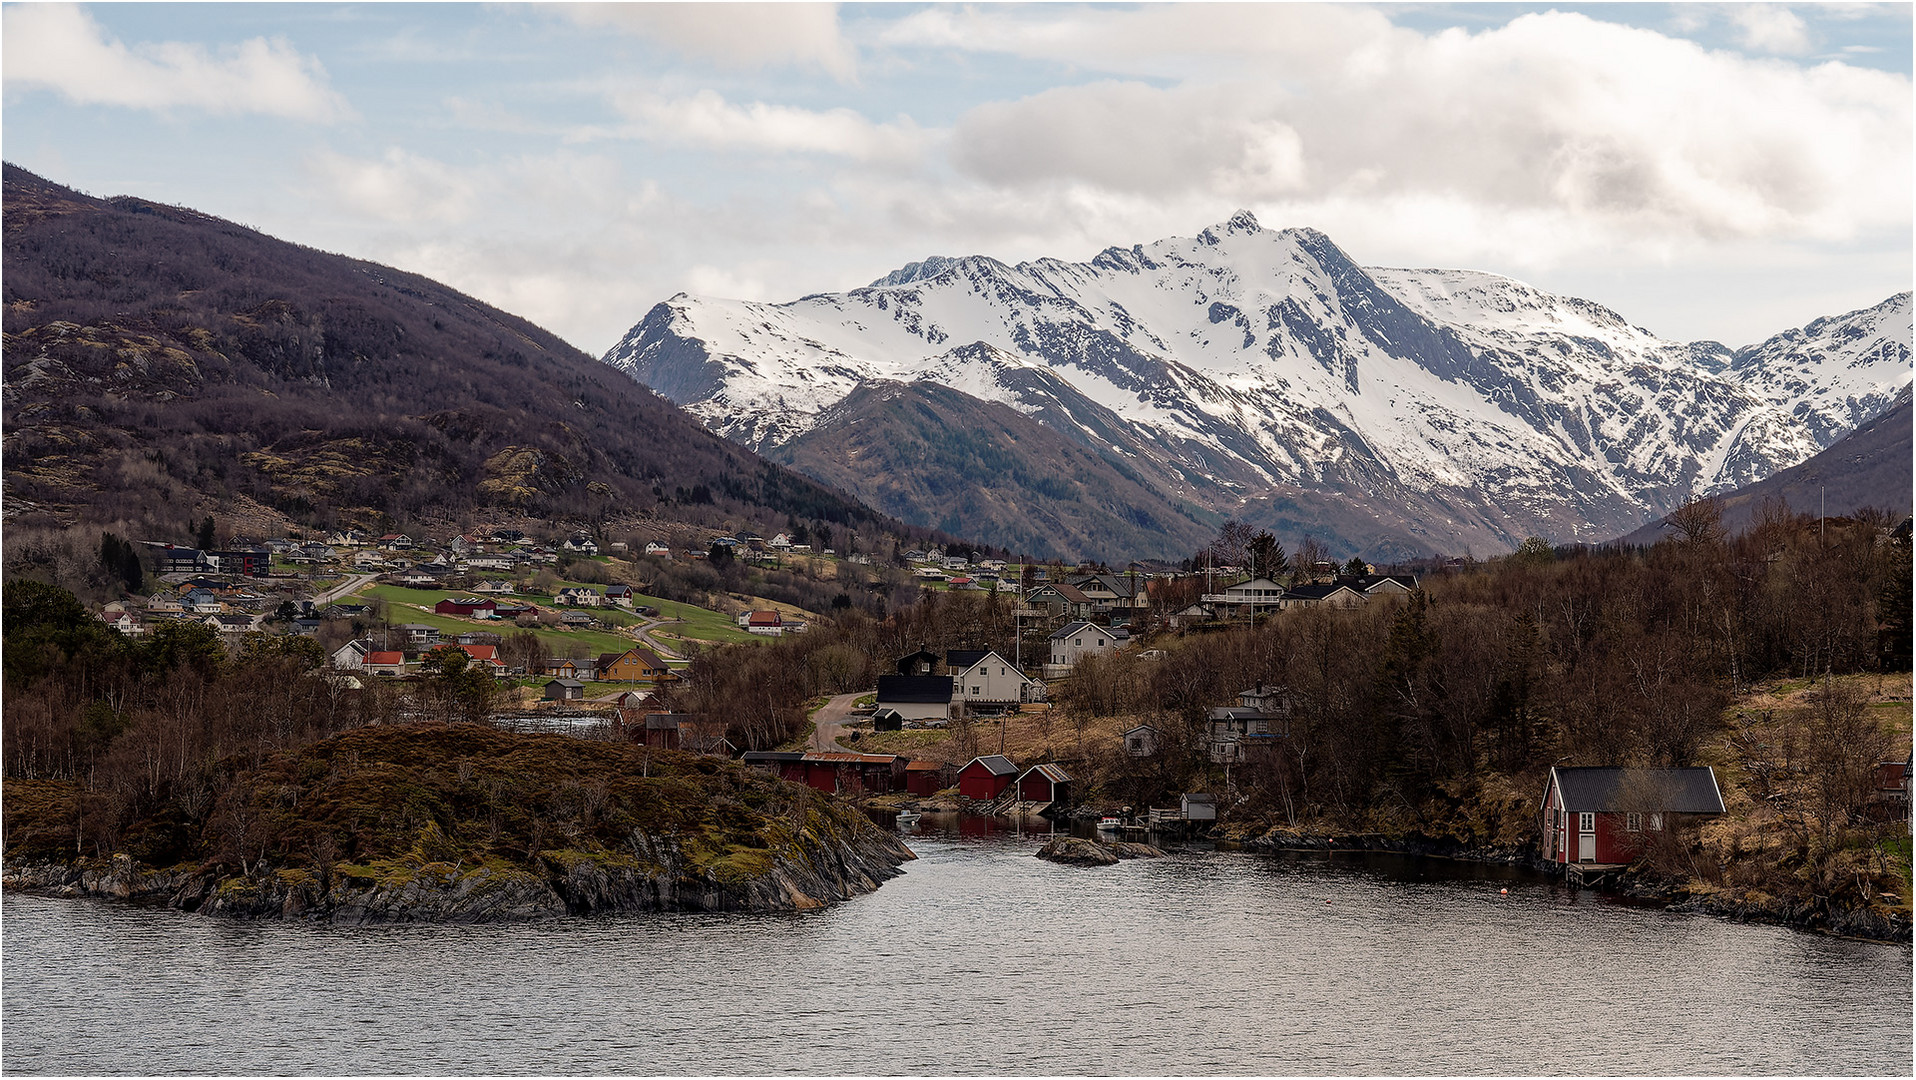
(830,720)
(345,588)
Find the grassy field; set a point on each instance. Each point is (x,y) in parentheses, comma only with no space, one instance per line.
(699,624)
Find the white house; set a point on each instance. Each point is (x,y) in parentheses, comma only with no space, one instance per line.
(1079,639)
(656,548)
(352,655)
(982,678)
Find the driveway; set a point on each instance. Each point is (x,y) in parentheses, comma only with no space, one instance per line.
(829,722)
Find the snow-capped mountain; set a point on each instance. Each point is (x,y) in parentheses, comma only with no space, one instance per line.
(1262,374)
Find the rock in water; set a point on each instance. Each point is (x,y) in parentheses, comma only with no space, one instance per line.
(1077,851)
(1126,849)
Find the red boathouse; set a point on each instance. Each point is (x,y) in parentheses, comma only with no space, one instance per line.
(986,778)
(1606,815)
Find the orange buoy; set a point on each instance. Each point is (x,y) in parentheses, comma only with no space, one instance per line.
(1504,892)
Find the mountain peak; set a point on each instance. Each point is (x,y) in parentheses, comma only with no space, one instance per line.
(931,267)
(1242,223)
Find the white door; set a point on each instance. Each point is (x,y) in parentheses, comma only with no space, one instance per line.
(1586,838)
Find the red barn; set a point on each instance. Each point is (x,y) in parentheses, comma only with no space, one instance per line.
(470,607)
(1605,814)
(986,778)
(1045,784)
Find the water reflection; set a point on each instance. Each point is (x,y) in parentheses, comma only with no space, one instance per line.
(979,959)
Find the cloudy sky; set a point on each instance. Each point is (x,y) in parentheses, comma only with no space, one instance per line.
(1711,171)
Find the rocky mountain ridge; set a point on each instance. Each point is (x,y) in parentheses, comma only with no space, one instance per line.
(1258,373)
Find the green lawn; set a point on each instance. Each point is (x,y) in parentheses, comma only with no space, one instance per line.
(398,600)
(699,624)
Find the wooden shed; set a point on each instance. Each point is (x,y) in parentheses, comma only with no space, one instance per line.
(1045,784)
(986,778)
(565,690)
(925,777)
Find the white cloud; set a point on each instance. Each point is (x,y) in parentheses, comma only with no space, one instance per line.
(1771,28)
(398,187)
(707,119)
(740,36)
(60,47)
(1554,123)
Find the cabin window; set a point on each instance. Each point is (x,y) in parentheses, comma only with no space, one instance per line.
(1656,822)
(1633,822)
(1586,822)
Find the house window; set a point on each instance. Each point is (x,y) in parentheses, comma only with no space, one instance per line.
(1633,822)
(1656,822)
(1586,822)
(977,690)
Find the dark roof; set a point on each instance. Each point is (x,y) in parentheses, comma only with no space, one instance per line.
(1315,592)
(665,721)
(567,683)
(1079,627)
(962,659)
(1605,788)
(756,757)
(922,689)
(995,764)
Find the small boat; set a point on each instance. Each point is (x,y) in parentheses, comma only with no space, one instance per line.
(907,817)
(1109,824)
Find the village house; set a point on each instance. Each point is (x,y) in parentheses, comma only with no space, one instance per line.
(656,548)
(1607,815)
(1078,640)
(234,624)
(1061,600)
(486,656)
(620,595)
(633,665)
(126,622)
(418,635)
(922,662)
(763,623)
(1333,595)
(985,681)
(385,662)
(352,655)
(986,778)
(916,697)
(1112,596)
(579,597)
(566,668)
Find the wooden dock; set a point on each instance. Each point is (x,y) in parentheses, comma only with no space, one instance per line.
(1592,875)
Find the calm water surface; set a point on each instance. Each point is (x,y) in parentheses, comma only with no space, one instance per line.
(980,959)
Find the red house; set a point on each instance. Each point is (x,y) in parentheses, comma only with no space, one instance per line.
(1605,815)
(986,778)
(469,607)
(1045,784)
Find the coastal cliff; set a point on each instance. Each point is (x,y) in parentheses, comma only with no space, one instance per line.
(429,823)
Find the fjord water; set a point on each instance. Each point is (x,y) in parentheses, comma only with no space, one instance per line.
(980,959)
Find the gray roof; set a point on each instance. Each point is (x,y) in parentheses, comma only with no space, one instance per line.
(923,689)
(569,684)
(1607,788)
(1079,627)
(995,764)
(1052,773)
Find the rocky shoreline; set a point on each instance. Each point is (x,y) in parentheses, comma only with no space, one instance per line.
(1812,916)
(564,883)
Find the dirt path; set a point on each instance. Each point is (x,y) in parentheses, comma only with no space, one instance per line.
(829,722)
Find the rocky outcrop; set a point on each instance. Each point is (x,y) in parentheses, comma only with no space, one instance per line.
(817,871)
(1076,851)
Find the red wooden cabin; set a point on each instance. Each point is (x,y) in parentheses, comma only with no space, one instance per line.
(986,778)
(925,777)
(1606,815)
(1044,783)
